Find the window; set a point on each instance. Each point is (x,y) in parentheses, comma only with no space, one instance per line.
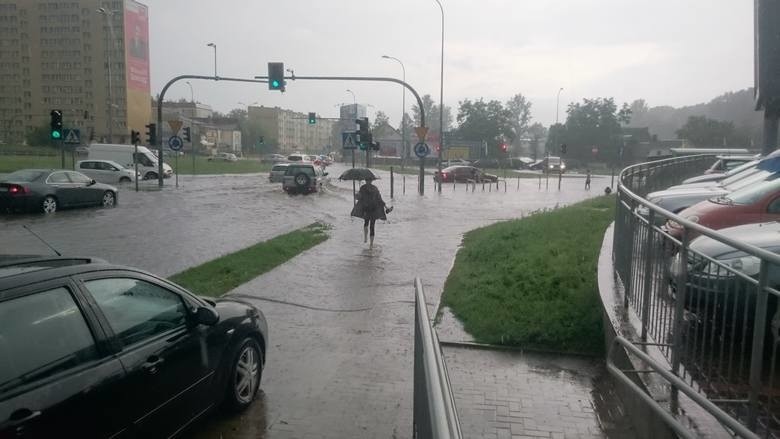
(142,159)
(774,206)
(137,310)
(79,178)
(43,334)
(58,178)
(87,165)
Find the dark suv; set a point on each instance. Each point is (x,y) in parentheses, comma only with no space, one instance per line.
(90,349)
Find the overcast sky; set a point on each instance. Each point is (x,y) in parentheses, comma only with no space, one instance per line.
(669,52)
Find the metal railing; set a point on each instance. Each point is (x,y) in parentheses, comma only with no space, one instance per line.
(435,416)
(712,317)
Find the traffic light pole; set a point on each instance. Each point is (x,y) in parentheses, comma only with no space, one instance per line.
(264,80)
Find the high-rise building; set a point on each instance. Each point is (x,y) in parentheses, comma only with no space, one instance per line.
(290,131)
(88,58)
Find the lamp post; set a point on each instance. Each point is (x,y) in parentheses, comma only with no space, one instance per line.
(215,59)
(403,111)
(441,94)
(557,102)
(354,121)
(109,20)
(192,93)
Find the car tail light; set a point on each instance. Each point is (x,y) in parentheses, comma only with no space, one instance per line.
(16,189)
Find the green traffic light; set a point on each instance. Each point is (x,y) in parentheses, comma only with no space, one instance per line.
(56,134)
(275,84)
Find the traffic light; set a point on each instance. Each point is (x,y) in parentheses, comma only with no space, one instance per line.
(56,124)
(261,140)
(312,118)
(186,134)
(135,137)
(375,146)
(276,76)
(364,136)
(151,134)
(563,148)
(504,147)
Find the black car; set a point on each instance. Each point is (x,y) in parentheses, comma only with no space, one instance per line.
(47,190)
(89,349)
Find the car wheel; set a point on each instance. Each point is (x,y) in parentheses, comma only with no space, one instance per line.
(124,180)
(109,199)
(150,176)
(302,180)
(244,376)
(49,204)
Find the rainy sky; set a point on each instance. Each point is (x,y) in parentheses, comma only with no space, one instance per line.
(669,52)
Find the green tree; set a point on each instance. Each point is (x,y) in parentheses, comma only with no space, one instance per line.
(486,121)
(520,108)
(536,132)
(432,115)
(702,131)
(592,123)
(380,119)
(39,136)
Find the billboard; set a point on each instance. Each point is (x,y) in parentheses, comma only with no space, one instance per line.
(137,46)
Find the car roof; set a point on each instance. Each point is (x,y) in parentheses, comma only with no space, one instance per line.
(101,160)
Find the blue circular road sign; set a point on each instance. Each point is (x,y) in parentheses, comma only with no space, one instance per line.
(422,150)
(175,143)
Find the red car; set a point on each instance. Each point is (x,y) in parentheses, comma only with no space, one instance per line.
(759,202)
(463,174)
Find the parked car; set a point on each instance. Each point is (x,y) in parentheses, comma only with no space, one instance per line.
(729,162)
(713,178)
(298,157)
(92,349)
(486,163)
(106,171)
(48,190)
(716,290)
(751,204)
(303,178)
(275,158)
(277,173)
(456,162)
(224,157)
(463,174)
(549,164)
(148,163)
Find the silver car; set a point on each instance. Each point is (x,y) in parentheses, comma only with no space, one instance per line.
(105,171)
(303,178)
(277,173)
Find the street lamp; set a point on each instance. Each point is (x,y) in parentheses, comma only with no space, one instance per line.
(441,94)
(192,93)
(354,121)
(557,102)
(215,59)
(109,14)
(403,110)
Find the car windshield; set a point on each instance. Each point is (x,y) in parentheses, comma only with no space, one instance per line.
(25,175)
(753,193)
(748,180)
(741,168)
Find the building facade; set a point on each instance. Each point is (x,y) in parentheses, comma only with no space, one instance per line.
(288,131)
(88,58)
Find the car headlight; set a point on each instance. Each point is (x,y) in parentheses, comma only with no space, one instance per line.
(563,166)
(692,218)
(655,200)
(643,211)
(748,265)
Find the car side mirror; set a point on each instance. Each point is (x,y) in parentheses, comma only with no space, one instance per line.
(206,316)
(91,182)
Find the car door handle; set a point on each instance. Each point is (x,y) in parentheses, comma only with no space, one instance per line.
(152,363)
(21,416)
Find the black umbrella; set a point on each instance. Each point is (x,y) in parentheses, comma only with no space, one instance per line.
(358,174)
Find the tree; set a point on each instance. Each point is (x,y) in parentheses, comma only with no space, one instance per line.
(592,123)
(432,115)
(702,131)
(536,132)
(381,119)
(238,114)
(486,121)
(406,128)
(520,108)
(39,136)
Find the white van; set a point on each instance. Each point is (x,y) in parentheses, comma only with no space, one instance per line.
(123,154)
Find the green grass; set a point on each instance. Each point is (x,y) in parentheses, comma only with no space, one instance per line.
(11,163)
(204,166)
(532,282)
(218,276)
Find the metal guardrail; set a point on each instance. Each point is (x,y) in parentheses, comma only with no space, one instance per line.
(713,320)
(435,416)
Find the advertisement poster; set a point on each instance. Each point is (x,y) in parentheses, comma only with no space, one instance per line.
(137,46)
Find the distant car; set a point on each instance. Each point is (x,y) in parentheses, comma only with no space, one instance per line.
(275,158)
(456,162)
(95,350)
(277,173)
(48,190)
(549,164)
(463,174)
(106,171)
(224,157)
(752,204)
(303,178)
(486,163)
(297,157)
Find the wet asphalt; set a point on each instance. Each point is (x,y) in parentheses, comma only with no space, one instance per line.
(340,315)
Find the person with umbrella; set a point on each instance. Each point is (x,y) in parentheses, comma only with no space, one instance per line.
(370,206)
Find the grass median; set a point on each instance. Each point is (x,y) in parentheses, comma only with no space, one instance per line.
(218,276)
(532,282)
(204,166)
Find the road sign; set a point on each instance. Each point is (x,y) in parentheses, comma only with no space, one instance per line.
(421,133)
(71,136)
(422,150)
(348,140)
(175,143)
(175,126)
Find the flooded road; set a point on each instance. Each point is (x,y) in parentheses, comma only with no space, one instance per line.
(340,315)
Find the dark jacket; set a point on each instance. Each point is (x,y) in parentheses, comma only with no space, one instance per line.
(370,204)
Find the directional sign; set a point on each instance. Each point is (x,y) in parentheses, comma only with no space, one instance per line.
(71,136)
(175,143)
(421,133)
(348,140)
(175,126)
(422,150)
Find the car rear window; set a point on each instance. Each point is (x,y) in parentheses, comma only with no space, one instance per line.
(24,175)
(279,168)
